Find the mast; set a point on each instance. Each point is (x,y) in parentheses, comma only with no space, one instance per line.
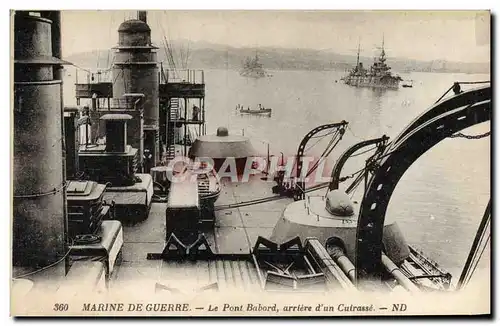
(359,48)
(382,53)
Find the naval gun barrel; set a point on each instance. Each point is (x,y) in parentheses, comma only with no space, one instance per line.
(328,265)
(338,255)
(398,275)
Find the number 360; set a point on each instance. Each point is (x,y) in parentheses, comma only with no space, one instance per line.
(61,307)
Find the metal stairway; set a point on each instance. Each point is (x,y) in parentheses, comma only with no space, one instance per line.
(203,187)
(174,109)
(173,115)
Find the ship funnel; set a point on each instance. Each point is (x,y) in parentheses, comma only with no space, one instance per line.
(39,185)
(116,132)
(135,71)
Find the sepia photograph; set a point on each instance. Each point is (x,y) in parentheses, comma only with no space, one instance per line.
(244,163)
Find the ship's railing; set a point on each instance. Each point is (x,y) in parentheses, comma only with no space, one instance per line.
(123,103)
(103,104)
(189,76)
(128,103)
(188,114)
(93,76)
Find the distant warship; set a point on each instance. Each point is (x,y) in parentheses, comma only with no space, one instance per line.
(379,75)
(253,68)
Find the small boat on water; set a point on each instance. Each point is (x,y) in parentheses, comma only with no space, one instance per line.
(407,84)
(259,110)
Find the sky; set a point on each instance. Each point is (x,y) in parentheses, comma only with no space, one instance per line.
(421,35)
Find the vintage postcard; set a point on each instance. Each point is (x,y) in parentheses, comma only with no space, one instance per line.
(250,163)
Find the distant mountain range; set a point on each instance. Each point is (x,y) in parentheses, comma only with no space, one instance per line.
(203,55)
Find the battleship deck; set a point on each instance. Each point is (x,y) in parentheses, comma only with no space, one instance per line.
(236,231)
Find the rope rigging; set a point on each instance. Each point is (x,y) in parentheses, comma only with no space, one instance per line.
(170,52)
(321,137)
(371,166)
(331,145)
(166,47)
(296,186)
(177,53)
(352,133)
(111,21)
(176,56)
(270,198)
(187,54)
(266,199)
(337,132)
(98,63)
(365,151)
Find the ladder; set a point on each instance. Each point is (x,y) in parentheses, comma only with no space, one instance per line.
(173,115)
(173,112)
(174,108)
(168,154)
(203,187)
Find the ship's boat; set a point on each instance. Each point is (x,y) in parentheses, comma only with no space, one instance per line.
(261,111)
(408,84)
(209,186)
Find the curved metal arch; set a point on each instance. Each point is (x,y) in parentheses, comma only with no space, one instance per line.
(339,165)
(463,99)
(393,165)
(300,153)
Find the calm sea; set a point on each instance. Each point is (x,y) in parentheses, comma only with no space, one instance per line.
(440,200)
